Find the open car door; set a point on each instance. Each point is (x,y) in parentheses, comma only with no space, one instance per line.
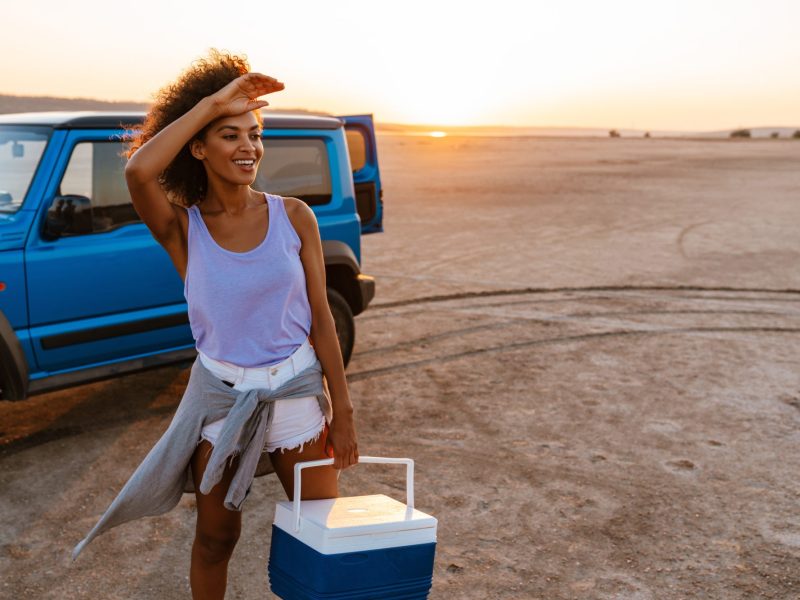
(363,151)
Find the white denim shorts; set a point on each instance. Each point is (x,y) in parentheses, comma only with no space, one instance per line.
(295,421)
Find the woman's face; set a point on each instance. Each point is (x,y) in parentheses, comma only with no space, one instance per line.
(231,148)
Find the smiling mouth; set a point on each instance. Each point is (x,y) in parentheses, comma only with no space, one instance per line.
(245,164)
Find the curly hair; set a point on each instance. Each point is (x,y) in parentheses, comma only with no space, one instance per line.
(184,180)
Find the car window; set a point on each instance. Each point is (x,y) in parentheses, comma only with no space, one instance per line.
(296,167)
(96,170)
(21,149)
(357,147)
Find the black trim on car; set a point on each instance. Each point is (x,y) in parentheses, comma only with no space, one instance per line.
(339,253)
(343,273)
(367,285)
(110,331)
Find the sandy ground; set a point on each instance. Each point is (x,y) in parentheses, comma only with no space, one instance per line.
(588,346)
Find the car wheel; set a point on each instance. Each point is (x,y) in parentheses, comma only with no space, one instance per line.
(345,325)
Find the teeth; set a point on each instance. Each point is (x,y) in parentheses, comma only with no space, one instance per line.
(244,162)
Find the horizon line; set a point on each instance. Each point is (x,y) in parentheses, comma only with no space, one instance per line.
(417,125)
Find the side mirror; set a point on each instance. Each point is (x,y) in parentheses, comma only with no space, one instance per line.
(68,215)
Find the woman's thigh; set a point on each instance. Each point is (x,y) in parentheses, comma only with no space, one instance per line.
(213,519)
(318,482)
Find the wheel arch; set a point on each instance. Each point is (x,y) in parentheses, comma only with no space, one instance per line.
(341,271)
(13,364)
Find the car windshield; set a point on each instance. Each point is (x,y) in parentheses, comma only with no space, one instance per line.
(21,148)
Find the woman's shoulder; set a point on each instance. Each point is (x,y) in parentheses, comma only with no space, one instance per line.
(297,210)
(300,216)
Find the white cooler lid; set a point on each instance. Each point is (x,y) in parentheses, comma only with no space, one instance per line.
(356,523)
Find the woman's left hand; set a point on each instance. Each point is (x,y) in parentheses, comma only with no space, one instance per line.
(342,441)
(241,94)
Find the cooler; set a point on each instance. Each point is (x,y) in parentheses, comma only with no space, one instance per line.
(354,548)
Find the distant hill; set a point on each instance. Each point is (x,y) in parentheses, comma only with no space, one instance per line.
(18,104)
(15,104)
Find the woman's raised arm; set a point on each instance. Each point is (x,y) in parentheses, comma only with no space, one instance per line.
(155,155)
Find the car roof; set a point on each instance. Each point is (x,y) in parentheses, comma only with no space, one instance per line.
(96,119)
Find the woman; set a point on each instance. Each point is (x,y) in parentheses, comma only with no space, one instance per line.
(254,279)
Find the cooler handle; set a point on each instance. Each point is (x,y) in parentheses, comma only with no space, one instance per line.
(409,463)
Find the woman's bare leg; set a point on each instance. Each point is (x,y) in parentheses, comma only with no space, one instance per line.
(319,482)
(216,533)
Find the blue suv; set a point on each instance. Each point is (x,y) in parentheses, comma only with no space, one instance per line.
(86,293)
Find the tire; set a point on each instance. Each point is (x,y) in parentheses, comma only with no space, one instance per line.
(345,325)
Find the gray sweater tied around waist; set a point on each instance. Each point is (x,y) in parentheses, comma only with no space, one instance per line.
(164,475)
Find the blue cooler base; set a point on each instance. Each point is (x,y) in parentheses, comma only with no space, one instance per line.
(298,572)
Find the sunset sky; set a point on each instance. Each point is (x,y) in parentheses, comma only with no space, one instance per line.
(680,65)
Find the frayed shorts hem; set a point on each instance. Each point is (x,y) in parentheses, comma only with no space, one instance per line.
(292,443)
(297,441)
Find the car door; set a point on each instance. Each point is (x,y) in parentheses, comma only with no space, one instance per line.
(110,291)
(363,150)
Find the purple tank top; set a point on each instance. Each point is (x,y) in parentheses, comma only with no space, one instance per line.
(248,308)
